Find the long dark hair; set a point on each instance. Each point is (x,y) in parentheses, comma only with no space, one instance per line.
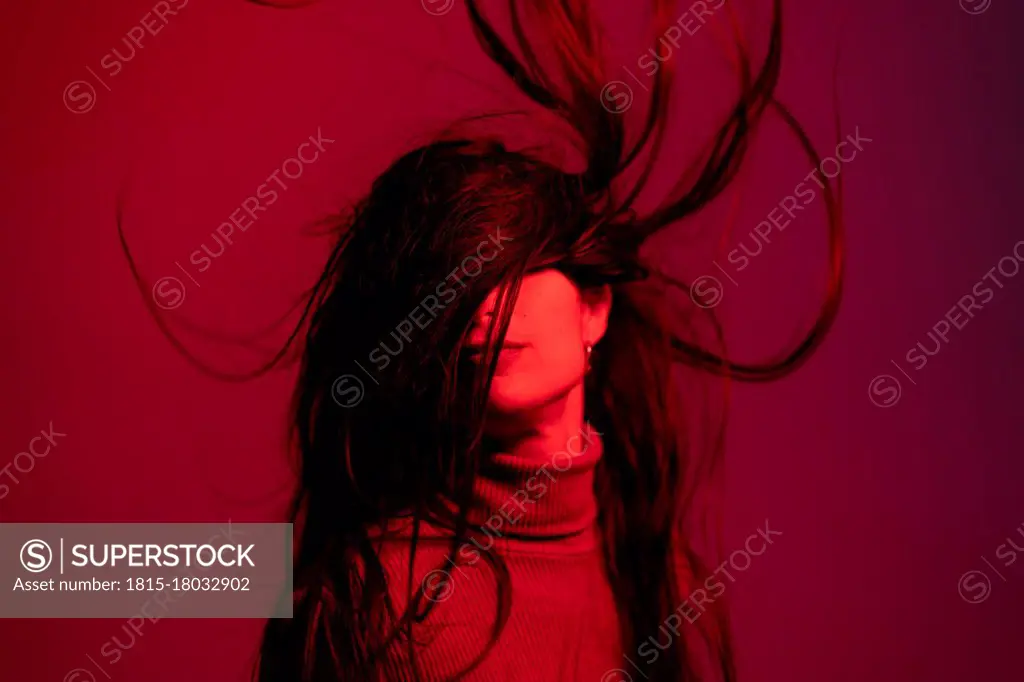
(414,441)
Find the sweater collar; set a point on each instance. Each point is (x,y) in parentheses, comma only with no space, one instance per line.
(530,493)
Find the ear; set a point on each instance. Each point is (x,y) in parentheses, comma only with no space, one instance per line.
(596,304)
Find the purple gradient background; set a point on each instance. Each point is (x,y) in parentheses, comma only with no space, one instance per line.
(882,510)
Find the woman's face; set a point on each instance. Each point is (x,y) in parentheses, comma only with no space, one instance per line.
(544,354)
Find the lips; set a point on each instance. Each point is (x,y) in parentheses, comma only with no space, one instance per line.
(477,345)
(508,350)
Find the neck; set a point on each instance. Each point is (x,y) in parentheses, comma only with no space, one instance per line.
(541,483)
(537,433)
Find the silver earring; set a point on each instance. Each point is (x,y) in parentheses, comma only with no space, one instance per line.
(590,349)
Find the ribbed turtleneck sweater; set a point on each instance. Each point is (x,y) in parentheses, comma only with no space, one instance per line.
(539,513)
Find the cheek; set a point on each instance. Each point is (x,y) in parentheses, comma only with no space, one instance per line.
(556,358)
(561,353)
(560,342)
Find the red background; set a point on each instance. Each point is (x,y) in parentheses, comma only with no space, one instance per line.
(881,510)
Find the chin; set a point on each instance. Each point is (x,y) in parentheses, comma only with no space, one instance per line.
(511,395)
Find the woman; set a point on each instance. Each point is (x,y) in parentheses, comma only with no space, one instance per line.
(508,449)
(520,491)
